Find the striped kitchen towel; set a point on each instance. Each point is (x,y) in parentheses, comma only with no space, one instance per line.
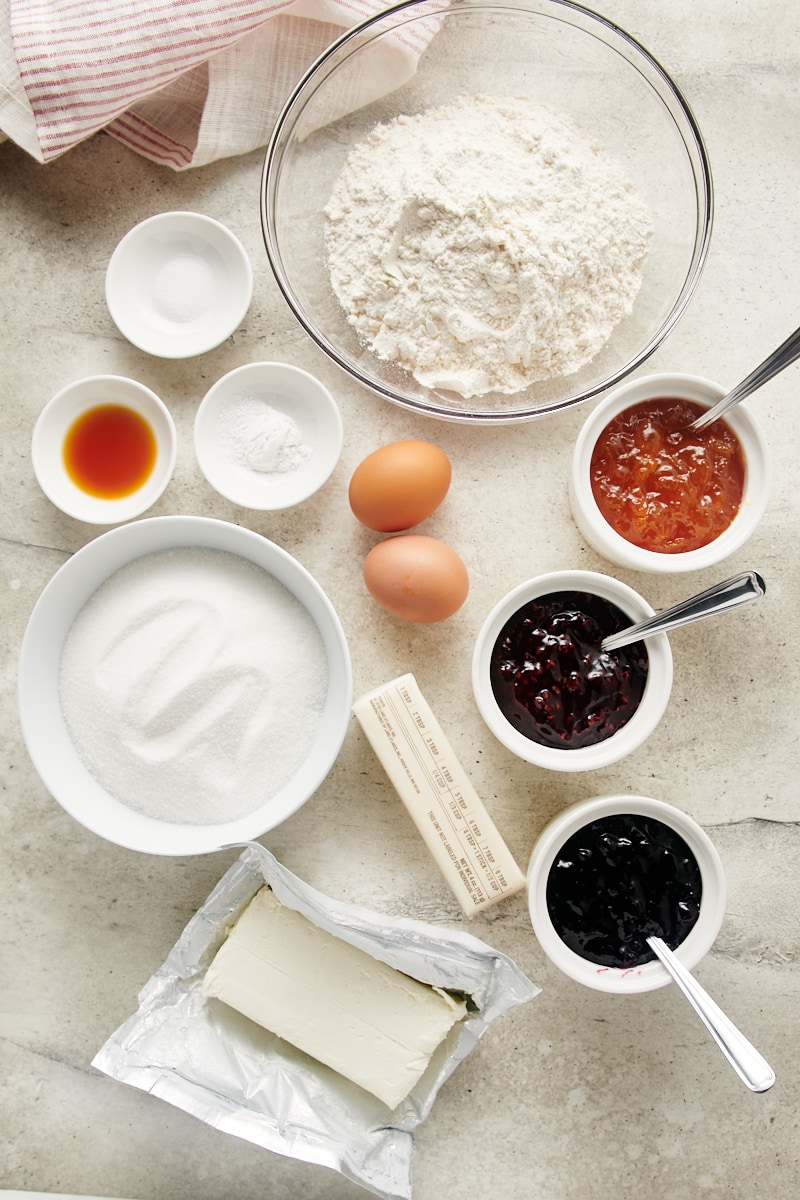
(182,82)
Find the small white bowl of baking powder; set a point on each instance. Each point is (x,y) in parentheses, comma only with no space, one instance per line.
(268,435)
(178,284)
(184,684)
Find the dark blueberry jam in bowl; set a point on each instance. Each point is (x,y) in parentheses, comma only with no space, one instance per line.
(545,688)
(607,873)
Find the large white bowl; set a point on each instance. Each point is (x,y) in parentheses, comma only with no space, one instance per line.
(644,720)
(628,980)
(43,726)
(420,54)
(617,549)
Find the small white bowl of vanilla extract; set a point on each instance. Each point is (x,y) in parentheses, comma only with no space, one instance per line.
(104,449)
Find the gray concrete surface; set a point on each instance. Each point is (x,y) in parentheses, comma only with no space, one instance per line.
(575,1096)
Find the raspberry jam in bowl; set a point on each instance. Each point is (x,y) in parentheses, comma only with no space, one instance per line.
(546,689)
(609,872)
(651,495)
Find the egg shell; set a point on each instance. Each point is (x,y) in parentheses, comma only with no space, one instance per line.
(416,578)
(398,485)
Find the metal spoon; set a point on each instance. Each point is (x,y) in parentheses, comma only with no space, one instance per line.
(783,357)
(749,1065)
(739,589)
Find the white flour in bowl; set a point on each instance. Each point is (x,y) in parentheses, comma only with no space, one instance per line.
(484,245)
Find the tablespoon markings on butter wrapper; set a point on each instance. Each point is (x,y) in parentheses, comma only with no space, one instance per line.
(739,589)
(751,1067)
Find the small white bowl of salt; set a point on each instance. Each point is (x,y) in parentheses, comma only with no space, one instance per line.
(267,435)
(178,284)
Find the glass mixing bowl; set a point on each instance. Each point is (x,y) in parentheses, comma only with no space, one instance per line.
(426,53)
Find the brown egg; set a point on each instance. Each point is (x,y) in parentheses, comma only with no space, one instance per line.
(416,578)
(399,485)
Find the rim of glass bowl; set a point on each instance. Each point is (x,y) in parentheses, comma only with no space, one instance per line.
(579,17)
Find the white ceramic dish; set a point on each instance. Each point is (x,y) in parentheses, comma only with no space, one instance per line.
(46,1196)
(53,424)
(178,284)
(297,437)
(630,980)
(610,544)
(13,1195)
(643,721)
(43,726)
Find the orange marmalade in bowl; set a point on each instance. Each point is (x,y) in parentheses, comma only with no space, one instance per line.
(662,486)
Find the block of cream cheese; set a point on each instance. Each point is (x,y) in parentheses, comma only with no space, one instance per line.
(371,1023)
(439,796)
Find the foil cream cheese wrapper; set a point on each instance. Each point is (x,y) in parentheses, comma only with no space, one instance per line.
(207,1060)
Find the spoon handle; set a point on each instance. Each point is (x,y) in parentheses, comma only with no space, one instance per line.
(781,358)
(729,594)
(749,1065)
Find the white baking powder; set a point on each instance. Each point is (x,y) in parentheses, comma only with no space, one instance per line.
(192,685)
(260,437)
(485,244)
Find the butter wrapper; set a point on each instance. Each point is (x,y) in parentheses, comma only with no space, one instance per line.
(237,1077)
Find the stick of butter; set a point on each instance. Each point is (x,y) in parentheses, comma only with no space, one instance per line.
(366,1020)
(439,797)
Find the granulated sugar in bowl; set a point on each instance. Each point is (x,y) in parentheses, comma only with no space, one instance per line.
(183,684)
